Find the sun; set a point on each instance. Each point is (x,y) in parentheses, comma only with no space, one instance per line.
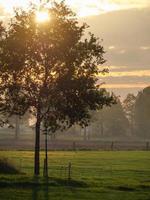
(42,16)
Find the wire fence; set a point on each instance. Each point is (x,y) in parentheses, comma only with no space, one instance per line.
(76,145)
(71,171)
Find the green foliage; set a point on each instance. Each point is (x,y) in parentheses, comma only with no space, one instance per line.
(50,68)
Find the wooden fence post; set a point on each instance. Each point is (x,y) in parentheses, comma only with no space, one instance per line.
(74,146)
(112,146)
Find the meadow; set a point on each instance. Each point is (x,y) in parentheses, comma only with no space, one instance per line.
(102,175)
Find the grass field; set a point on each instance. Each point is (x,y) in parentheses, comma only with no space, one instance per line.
(96,176)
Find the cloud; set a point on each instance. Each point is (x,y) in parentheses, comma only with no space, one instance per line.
(111,47)
(125,86)
(137,73)
(131,2)
(145,48)
(125,36)
(93,7)
(115,67)
(122,51)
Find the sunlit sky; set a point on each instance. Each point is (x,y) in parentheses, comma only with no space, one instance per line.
(124,27)
(84,7)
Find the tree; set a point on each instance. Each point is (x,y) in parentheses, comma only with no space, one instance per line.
(98,123)
(112,120)
(15,121)
(51,70)
(129,108)
(142,113)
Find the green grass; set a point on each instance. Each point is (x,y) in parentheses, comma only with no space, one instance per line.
(96,176)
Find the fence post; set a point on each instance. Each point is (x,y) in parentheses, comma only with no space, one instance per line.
(69,171)
(44,169)
(74,146)
(112,146)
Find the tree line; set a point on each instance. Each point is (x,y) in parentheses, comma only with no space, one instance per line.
(127,118)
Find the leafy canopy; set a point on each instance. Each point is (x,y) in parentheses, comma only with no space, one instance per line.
(50,68)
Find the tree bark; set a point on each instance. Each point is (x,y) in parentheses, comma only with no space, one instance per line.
(102,129)
(85,134)
(37,149)
(17,127)
(102,125)
(46,156)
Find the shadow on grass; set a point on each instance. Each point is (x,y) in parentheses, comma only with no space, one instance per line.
(123,188)
(130,189)
(145,187)
(6,167)
(26,182)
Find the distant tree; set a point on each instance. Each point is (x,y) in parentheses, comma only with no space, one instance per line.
(98,123)
(129,108)
(142,113)
(112,120)
(15,121)
(50,69)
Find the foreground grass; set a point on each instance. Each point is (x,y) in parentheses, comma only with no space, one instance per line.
(96,175)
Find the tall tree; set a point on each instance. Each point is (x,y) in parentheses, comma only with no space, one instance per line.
(129,108)
(142,113)
(15,121)
(50,69)
(112,120)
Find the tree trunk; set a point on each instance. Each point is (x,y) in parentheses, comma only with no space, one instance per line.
(102,124)
(102,128)
(45,171)
(85,134)
(132,126)
(17,127)
(37,149)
